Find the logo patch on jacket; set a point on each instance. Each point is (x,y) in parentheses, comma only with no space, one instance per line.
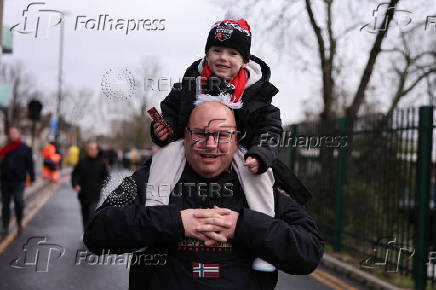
(194,245)
(200,270)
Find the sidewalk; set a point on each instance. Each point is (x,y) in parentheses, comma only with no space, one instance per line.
(34,187)
(38,186)
(39,183)
(53,233)
(355,274)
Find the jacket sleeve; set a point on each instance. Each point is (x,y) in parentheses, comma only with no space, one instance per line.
(29,165)
(170,107)
(104,174)
(265,144)
(75,175)
(290,241)
(123,224)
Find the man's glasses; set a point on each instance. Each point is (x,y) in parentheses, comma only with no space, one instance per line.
(219,136)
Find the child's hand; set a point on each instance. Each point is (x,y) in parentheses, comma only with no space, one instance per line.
(161,131)
(252,164)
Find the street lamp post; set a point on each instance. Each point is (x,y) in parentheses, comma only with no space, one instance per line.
(1,29)
(61,57)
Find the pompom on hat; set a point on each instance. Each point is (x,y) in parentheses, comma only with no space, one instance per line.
(233,32)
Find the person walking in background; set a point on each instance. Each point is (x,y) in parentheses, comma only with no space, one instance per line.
(87,179)
(51,161)
(16,161)
(72,156)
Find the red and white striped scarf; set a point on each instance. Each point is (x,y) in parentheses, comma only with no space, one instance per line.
(238,81)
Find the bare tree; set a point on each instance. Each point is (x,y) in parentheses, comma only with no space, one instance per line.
(375,50)
(314,37)
(133,132)
(119,109)
(76,104)
(412,67)
(21,86)
(149,74)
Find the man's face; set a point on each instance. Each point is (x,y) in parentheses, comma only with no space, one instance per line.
(224,62)
(209,158)
(14,135)
(92,150)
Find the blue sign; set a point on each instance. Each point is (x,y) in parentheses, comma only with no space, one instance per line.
(53,126)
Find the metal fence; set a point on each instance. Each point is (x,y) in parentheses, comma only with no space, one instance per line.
(373,187)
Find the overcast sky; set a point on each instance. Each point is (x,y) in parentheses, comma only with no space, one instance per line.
(88,53)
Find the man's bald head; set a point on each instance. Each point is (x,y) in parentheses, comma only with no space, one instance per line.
(210,111)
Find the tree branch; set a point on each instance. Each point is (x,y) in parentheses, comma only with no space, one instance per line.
(325,67)
(401,92)
(366,76)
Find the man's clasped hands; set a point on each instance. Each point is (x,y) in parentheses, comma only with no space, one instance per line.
(209,225)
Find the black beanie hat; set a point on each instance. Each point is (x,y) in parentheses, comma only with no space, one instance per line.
(232,34)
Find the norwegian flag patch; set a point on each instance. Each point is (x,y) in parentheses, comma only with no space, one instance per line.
(200,270)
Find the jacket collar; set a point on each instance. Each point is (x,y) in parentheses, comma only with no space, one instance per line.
(9,147)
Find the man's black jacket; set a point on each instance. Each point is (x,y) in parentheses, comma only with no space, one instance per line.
(90,174)
(16,164)
(123,224)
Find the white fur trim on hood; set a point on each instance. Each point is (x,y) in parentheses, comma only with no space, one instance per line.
(221,98)
(254,73)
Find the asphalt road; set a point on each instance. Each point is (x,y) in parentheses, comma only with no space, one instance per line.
(52,233)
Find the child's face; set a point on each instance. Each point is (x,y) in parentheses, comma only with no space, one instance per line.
(224,62)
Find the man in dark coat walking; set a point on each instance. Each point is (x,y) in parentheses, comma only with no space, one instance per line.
(16,161)
(87,179)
